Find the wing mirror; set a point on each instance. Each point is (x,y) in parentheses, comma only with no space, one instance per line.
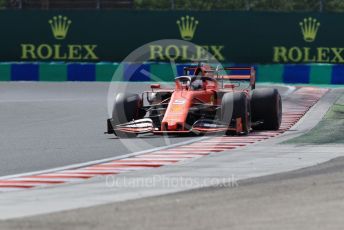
(228,86)
(155,86)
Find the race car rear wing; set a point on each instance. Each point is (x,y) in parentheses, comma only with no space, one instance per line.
(251,76)
(244,73)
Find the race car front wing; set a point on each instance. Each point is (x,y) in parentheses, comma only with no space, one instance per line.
(145,125)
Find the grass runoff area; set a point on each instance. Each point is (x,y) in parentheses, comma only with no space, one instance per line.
(328,131)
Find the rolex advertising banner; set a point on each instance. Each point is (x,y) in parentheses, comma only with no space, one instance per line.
(238,37)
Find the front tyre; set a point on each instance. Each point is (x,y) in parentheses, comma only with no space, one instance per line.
(236,105)
(126,108)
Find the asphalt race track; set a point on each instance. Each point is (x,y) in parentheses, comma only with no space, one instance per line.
(49,125)
(58,124)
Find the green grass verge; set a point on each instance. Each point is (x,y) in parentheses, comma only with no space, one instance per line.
(330,130)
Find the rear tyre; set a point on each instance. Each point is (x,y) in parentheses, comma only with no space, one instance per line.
(233,106)
(266,107)
(127,107)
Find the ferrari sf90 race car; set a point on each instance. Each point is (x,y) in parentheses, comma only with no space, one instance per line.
(204,100)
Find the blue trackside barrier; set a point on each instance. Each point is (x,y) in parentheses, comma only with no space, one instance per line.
(136,72)
(337,74)
(81,72)
(24,72)
(104,71)
(296,73)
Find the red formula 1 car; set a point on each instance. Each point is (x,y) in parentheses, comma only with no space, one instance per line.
(206,101)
